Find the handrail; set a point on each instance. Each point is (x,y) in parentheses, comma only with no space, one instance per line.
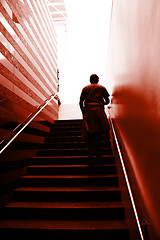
(40,108)
(126,179)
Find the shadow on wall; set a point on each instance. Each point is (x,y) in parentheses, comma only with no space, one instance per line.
(137,118)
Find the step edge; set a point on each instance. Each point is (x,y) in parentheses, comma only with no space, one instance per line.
(69,176)
(67,189)
(64,205)
(64,225)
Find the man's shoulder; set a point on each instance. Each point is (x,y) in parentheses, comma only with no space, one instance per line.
(86,87)
(101,86)
(92,85)
(104,89)
(96,85)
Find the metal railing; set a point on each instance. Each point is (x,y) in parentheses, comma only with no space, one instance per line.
(30,117)
(126,178)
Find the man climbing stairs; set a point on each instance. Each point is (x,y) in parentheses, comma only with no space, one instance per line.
(64,195)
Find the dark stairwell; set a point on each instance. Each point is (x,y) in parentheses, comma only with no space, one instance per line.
(64,195)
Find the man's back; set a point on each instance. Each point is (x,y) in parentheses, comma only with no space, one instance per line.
(94,93)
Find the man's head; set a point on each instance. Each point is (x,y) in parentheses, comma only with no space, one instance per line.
(94,78)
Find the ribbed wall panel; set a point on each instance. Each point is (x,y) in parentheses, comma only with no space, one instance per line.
(28,57)
(24,17)
(27,49)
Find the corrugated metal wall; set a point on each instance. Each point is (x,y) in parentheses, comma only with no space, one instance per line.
(28,60)
(28,76)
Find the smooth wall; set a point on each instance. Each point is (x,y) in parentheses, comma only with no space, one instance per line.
(134,73)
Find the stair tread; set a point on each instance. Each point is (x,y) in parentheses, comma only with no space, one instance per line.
(66,189)
(70,166)
(66,137)
(57,142)
(73,205)
(71,130)
(69,176)
(82,157)
(62,224)
(62,149)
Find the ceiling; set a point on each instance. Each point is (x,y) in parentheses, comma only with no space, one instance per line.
(58,10)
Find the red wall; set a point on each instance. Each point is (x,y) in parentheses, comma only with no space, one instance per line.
(134,76)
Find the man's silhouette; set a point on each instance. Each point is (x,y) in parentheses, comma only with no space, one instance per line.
(92,100)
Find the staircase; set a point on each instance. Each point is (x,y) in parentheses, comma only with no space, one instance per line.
(65,195)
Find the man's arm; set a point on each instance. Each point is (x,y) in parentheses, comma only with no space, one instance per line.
(81,105)
(106,96)
(81,101)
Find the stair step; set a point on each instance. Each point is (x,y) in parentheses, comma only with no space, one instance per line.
(63,160)
(65,133)
(64,211)
(97,229)
(69,180)
(69,122)
(51,138)
(76,225)
(70,169)
(68,145)
(54,145)
(67,194)
(70,152)
(64,205)
(75,133)
(66,128)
